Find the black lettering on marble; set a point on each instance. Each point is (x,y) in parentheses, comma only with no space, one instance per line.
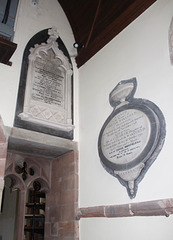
(48,84)
(125,135)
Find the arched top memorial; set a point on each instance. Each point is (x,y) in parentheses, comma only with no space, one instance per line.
(45,92)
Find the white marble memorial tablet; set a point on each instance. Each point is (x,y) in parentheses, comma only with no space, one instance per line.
(131,137)
(126,136)
(48,92)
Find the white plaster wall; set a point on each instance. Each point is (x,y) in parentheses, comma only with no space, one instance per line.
(140,51)
(30,20)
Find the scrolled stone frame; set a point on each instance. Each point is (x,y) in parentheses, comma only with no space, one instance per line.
(170,41)
(132,136)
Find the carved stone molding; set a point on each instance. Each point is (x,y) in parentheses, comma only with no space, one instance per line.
(131,137)
(45,95)
(170,40)
(48,86)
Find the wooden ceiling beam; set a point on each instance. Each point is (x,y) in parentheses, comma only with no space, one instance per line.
(114,16)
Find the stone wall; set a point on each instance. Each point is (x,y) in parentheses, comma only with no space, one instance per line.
(3,152)
(62,200)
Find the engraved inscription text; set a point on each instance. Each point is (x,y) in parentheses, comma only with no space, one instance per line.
(126,136)
(48,81)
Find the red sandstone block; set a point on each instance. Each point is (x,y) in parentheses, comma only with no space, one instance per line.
(70,196)
(70,182)
(3,150)
(2,136)
(76,233)
(66,238)
(65,165)
(98,211)
(63,170)
(68,212)
(55,166)
(47,228)
(52,238)
(76,160)
(66,229)
(2,132)
(66,157)
(54,213)
(65,160)
(57,238)
(68,169)
(61,238)
(76,166)
(68,163)
(56,184)
(47,211)
(53,199)
(54,229)
(76,155)
(2,167)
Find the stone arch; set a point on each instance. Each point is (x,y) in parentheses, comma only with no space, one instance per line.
(44,184)
(17,183)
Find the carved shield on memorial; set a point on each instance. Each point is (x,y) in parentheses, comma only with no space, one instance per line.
(132,136)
